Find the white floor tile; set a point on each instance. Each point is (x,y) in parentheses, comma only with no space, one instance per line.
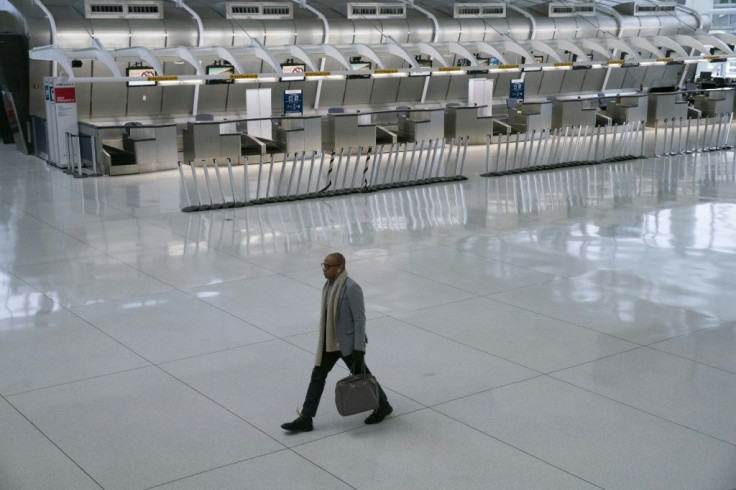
(534,341)
(123,235)
(466,271)
(691,293)
(168,326)
(597,439)
(187,267)
(425,367)
(504,278)
(276,304)
(40,245)
(88,280)
(34,461)
(241,379)
(283,469)
(711,346)
(20,300)
(53,348)
(618,314)
(427,450)
(683,391)
(148,428)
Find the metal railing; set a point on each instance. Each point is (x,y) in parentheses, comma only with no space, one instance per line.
(577,145)
(563,147)
(297,176)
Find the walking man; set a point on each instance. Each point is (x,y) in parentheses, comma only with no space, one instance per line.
(341,336)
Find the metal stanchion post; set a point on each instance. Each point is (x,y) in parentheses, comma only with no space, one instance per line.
(93,142)
(488,153)
(506,157)
(291,174)
(516,149)
(465,152)
(679,138)
(189,207)
(614,149)
(605,142)
(339,164)
(523,147)
(357,164)
(728,129)
(260,171)
(224,204)
(246,183)
(411,160)
(347,167)
(281,175)
(311,171)
(440,161)
(202,207)
(687,137)
(498,154)
(270,174)
(672,136)
(705,135)
(209,186)
(321,164)
(301,171)
(388,164)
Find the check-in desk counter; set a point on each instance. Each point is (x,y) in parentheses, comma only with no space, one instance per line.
(133,148)
(531,116)
(628,108)
(346,130)
(465,121)
(574,112)
(209,140)
(666,106)
(715,102)
(298,133)
(422,125)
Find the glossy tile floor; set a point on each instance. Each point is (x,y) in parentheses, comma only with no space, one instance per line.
(566,329)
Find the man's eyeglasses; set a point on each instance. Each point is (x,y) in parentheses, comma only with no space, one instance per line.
(327,266)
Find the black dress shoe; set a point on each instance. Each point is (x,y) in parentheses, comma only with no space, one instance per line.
(379,414)
(301,424)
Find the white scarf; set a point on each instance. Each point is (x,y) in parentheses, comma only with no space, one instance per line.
(328,315)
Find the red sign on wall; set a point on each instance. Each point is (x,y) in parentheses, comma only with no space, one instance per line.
(65,95)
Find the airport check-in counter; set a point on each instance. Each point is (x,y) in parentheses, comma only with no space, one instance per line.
(666,106)
(422,124)
(531,116)
(574,112)
(349,129)
(210,140)
(133,148)
(715,102)
(465,121)
(298,133)
(628,108)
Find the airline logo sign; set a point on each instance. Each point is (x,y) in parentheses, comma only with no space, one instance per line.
(65,95)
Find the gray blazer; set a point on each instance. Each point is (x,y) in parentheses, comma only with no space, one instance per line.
(350,321)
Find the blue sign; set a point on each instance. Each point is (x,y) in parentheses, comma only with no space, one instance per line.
(293,102)
(516,89)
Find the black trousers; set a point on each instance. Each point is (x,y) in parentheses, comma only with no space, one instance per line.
(319,376)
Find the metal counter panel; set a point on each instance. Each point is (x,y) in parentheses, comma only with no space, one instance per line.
(410,89)
(177,99)
(333,92)
(384,90)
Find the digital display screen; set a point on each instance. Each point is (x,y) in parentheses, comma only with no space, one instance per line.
(360,65)
(220,70)
(295,72)
(140,71)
